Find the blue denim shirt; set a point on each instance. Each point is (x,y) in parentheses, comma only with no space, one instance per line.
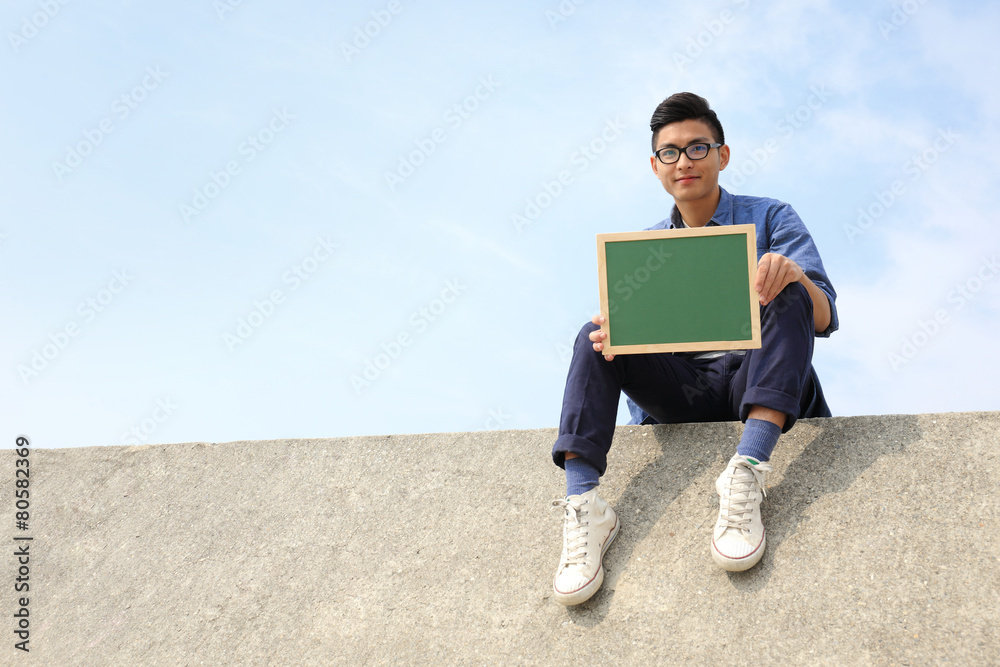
(779,230)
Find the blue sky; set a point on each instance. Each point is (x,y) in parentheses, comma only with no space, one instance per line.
(218,215)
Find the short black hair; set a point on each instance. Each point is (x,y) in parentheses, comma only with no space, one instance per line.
(685,106)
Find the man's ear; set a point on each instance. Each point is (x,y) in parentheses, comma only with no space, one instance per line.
(723,156)
(652,163)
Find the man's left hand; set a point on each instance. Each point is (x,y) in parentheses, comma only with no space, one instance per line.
(774,273)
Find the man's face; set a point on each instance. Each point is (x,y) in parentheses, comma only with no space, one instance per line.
(689,180)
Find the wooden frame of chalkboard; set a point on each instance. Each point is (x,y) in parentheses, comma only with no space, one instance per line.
(679,290)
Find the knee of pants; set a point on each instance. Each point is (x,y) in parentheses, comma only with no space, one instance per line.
(583,338)
(793,297)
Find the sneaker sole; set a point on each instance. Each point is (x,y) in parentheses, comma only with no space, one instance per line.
(587,591)
(739,564)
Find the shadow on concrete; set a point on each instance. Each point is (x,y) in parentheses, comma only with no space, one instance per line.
(830,463)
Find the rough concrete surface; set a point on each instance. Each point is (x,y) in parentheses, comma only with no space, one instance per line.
(440,548)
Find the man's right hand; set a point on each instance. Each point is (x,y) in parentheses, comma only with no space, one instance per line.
(596,337)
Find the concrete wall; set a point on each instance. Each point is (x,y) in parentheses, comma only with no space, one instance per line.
(882,550)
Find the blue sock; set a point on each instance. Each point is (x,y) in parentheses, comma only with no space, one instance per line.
(759,438)
(580,476)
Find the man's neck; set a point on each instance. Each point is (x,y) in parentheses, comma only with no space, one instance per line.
(698,213)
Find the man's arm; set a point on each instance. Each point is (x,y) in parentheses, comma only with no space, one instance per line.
(775,272)
(786,236)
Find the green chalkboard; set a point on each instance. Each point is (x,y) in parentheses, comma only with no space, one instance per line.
(679,290)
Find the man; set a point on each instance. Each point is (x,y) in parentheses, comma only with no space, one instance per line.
(767,388)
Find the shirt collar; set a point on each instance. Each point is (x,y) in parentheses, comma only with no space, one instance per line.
(723,212)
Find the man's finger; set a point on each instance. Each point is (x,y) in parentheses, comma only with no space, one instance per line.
(780,279)
(771,266)
(766,284)
(762,267)
(777,278)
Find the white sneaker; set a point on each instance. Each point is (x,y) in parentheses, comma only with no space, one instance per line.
(738,541)
(589,526)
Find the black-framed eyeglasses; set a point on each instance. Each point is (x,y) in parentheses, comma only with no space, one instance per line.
(697,151)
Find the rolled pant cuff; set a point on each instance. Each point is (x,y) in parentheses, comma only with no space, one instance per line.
(568,443)
(773,399)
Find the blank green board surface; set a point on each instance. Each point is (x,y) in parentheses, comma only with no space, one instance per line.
(679,290)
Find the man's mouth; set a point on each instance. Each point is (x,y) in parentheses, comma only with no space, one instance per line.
(686,179)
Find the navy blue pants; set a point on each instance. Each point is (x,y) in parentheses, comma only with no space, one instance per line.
(675,388)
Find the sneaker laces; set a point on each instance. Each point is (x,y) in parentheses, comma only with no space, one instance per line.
(575,532)
(741,478)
